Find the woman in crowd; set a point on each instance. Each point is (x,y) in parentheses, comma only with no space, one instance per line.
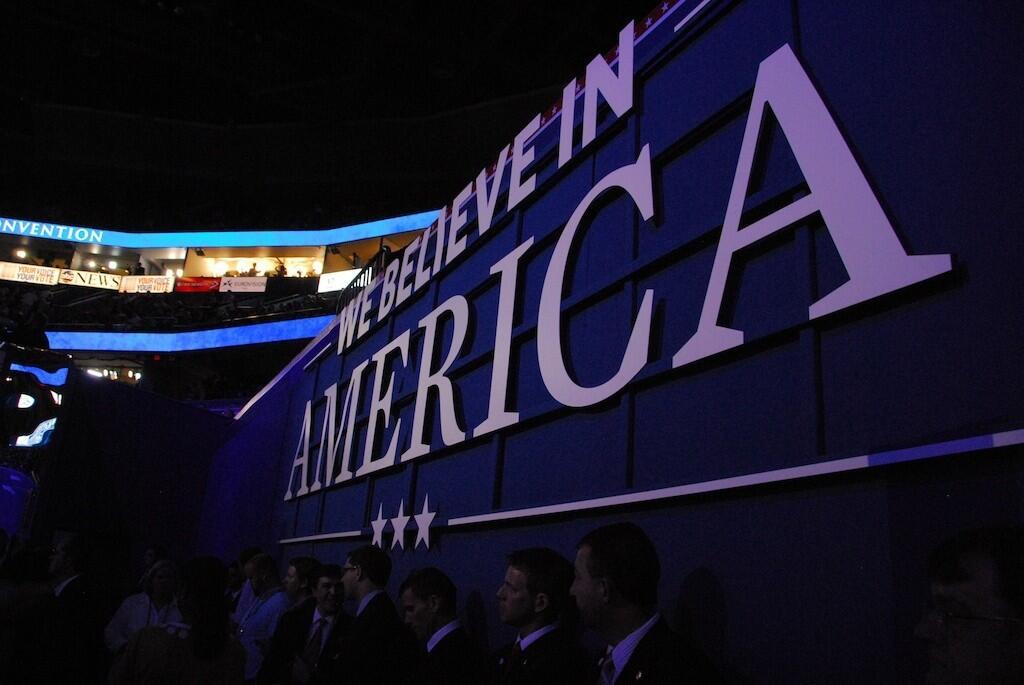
(199,649)
(154,606)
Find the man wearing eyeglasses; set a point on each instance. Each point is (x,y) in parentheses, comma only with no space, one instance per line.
(377,648)
(975,625)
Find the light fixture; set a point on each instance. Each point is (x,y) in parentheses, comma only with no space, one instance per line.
(20,254)
(219,268)
(169,273)
(94,372)
(178,273)
(112,264)
(91,263)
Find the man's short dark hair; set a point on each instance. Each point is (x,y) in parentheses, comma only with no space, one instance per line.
(546,571)
(325,571)
(246,554)
(306,569)
(425,582)
(375,563)
(1004,545)
(264,566)
(623,554)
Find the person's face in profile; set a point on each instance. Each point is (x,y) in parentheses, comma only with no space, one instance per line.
(419,614)
(973,634)
(588,591)
(350,579)
(515,603)
(292,583)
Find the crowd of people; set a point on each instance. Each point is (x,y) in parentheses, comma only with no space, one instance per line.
(208,623)
(26,310)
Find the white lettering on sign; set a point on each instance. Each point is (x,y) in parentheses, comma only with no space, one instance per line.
(53,231)
(451,431)
(875,260)
(872,254)
(635,179)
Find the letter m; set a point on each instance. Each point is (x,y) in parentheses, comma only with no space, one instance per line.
(875,261)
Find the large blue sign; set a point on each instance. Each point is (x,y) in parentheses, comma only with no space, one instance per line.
(748,284)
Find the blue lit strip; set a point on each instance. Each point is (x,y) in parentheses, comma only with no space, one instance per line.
(58,377)
(225,238)
(254,334)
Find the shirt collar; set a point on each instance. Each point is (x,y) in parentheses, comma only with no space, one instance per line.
(366,600)
(63,584)
(317,616)
(525,642)
(442,633)
(621,653)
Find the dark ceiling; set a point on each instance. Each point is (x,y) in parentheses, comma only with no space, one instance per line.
(82,82)
(258,61)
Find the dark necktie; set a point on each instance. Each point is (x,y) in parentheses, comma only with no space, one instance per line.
(512,661)
(312,652)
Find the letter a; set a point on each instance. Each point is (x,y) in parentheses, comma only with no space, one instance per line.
(301,461)
(867,244)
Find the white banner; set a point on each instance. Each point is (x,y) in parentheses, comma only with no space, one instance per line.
(243,284)
(90,279)
(29,273)
(336,280)
(147,284)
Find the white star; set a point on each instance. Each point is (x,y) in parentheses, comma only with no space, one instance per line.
(378,527)
(398,523)
(423,521)
(664,7)
(647,21)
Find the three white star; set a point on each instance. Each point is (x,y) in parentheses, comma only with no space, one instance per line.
(378,525)
(398,523)
(423,521)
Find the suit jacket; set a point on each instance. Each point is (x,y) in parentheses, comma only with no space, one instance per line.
(289,642)
(554,659)
(58,639)
(375,649)
(455,660)
(663,658)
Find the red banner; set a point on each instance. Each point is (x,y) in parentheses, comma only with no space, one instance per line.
(197,285)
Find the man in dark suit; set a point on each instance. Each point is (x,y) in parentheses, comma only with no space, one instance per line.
(616,590)
(452,658)
(534,599)
(306,634)
(58,639)
(377,649)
